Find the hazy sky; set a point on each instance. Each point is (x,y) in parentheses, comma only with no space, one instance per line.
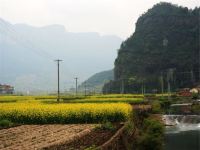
(115,17)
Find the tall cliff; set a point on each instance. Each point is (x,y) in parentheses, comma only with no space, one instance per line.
(165,44)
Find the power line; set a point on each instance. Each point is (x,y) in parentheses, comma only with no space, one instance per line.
(58,94)
(85,86)
(122,86)
(76,85)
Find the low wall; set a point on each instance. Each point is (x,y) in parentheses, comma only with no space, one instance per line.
(118,141)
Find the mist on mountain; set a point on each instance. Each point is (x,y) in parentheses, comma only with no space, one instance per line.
(27,55)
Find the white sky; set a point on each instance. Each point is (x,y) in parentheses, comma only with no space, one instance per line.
(116,17)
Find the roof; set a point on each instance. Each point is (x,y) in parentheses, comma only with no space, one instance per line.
(6,86)
(185,104)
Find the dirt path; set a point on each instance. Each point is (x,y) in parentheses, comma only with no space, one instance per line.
(95,138)
(142,107)
(28,137)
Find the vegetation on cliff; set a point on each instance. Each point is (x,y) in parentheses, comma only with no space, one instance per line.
(164,47)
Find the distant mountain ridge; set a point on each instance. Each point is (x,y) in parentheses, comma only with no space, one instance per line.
(27,55)
(97,81)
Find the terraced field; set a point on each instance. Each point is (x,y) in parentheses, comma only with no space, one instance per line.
(29,137)
(48,124)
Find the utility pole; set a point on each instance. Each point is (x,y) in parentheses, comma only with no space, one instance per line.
(192,77)
(199,57)
(142,88)
(165,44)
(85,86)
(58,94)
(76,85)
(162,83)
(170,73)
(122,86)
(168,89)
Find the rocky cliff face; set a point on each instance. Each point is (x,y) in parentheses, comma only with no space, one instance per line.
(165,42)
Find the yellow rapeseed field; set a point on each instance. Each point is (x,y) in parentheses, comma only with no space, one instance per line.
(118,96)
(105,100)
(40,113)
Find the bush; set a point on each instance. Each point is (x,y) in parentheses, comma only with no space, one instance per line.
(174,96)
(152,136)
(5,123)
(130,127)
(196,109)
(150,96)
(106,125)
(93,147)
(156,107)
(165,105)
(195,95)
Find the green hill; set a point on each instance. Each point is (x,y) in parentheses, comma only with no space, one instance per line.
(97,81)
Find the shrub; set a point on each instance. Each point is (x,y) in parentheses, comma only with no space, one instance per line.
(150,96)
(93,147)
(165,105)
(174,96)
(152,135)
(5,123)
(106,125)
(196,109)
(156,107)
(195,95)
(130,127)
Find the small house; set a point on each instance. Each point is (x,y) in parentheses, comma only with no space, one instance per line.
(6,89)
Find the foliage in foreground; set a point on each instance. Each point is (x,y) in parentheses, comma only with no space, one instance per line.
(37,113)
(5,123)
(106,125)
(196,109)
(156,107)
(151,138)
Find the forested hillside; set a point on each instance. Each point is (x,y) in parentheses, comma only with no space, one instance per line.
(97,81)
(163,48)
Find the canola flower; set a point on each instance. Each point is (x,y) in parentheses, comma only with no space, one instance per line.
(118,96)
(128,98)
(12,98)
(105,100)
(39,113)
